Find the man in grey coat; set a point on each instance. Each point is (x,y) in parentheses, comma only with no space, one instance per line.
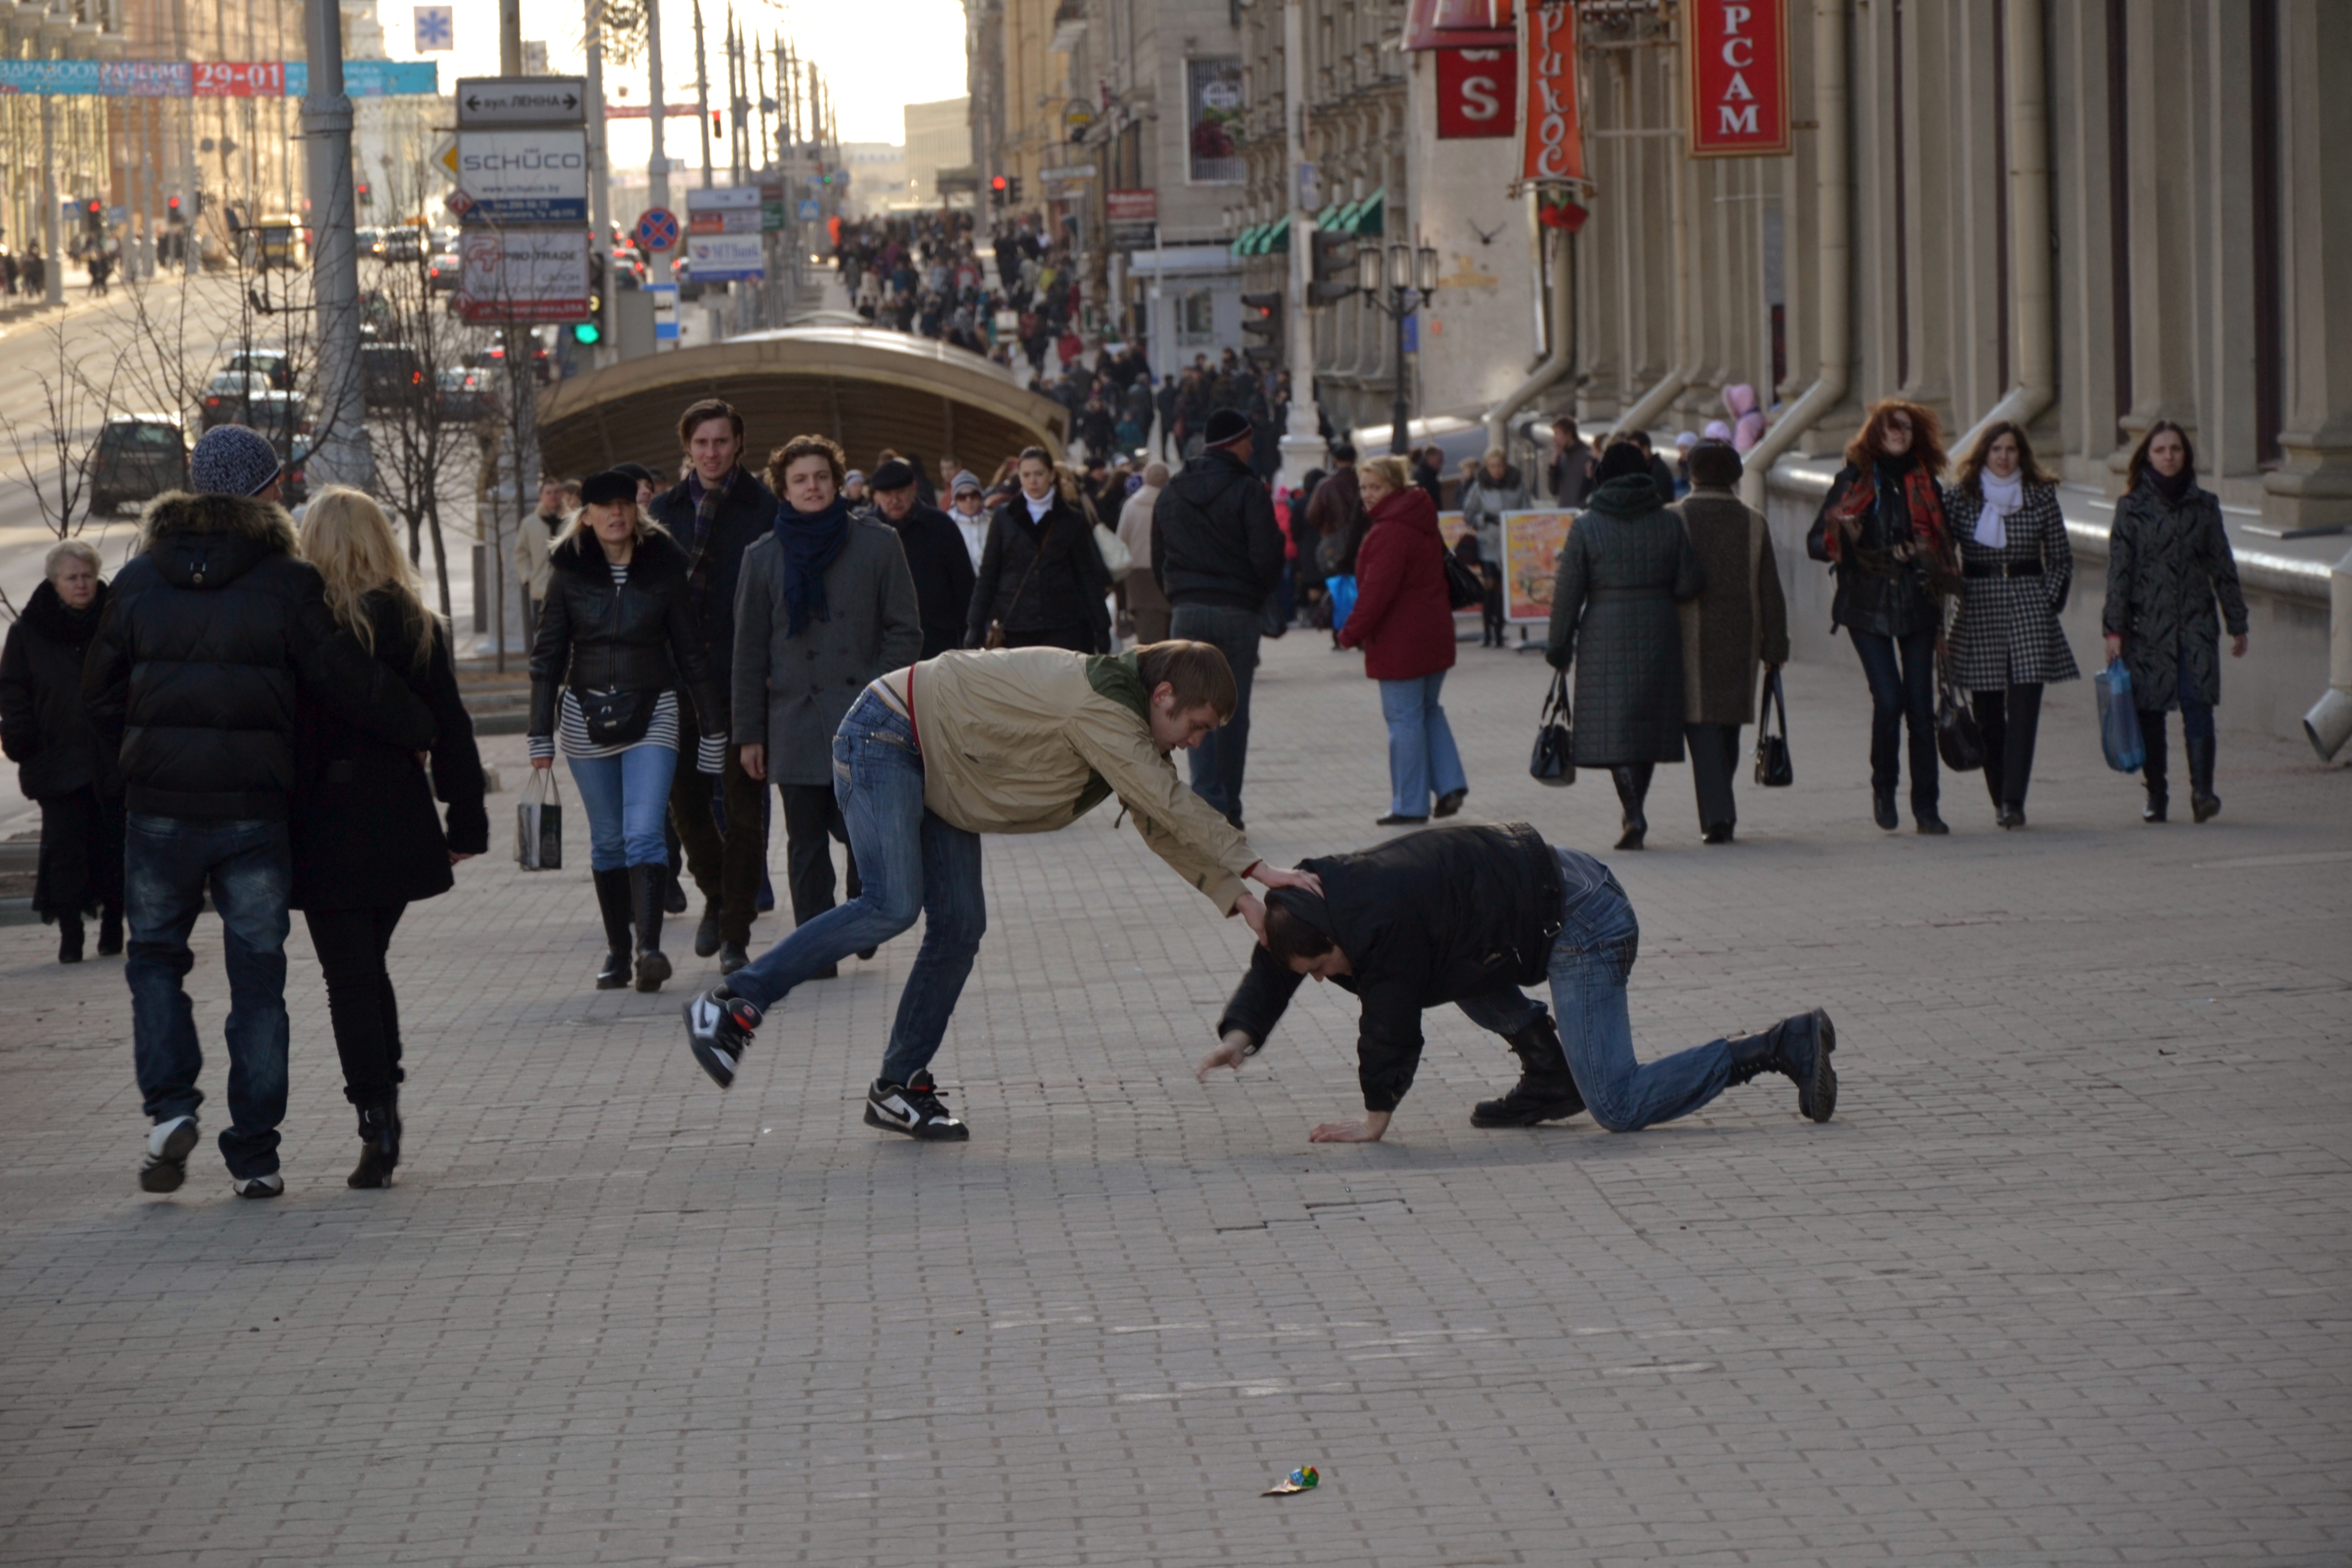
(826,603)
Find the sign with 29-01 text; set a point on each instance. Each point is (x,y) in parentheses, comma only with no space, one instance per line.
(1739,55)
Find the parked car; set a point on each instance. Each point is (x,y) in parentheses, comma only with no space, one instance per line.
(293,477)
(443,270)
(370,240)
(277,240)
(390,375)
(681,272)
(403,243)
(138,457)
(275,363)
(465,396)
(245,397)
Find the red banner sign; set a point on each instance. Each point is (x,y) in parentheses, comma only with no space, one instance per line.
(1739,55)
(1551,129)
(232,78)
(1477,93)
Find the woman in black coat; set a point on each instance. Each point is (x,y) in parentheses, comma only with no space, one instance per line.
(367,840)
(1882,529)
(46,731)
(2169,559)
(1042,580)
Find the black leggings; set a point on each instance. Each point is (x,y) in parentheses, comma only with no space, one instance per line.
(350,944)
(2008,721)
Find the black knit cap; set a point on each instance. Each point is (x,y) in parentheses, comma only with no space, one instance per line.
(1227,425)
(611,485)
(1622,461)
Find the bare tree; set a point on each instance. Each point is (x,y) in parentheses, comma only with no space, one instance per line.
(54,453)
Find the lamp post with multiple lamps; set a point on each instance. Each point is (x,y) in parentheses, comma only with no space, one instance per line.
(1410,277)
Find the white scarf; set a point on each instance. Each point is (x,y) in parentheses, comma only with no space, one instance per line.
(1038,507)
(2002,496)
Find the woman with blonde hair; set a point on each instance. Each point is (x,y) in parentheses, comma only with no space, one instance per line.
(1403,620)
(367,840)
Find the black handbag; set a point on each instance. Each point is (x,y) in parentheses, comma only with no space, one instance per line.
(1464,589)
(617,718)
(1773,769)
(1958,739)
(1553,761)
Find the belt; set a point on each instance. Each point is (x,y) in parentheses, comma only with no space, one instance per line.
(2003,569)
(1620,596)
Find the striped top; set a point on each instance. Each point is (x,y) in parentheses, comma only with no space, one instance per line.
(572,726)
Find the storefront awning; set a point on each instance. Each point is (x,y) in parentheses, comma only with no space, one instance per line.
(1243,240)
(1368,218)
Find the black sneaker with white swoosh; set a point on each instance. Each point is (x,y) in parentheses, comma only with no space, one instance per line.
(719,1027)
(913,1107)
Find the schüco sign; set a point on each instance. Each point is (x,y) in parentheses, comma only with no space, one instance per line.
(524,177)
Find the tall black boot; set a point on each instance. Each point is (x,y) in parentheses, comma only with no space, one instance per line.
(1632,782)
(110,930)
(2202,802)
(2151,738)
(648,885)
(1545,1090)
(612,902)
(70,937)
(379,1144)
(1797,1049)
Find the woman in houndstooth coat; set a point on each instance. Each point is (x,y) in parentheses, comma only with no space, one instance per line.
(2005,642)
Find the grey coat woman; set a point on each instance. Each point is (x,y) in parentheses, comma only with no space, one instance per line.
(2168,559)
(1738,621)
(1625,562)
(1494,489)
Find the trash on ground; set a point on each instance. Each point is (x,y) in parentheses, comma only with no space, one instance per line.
(1303,1479)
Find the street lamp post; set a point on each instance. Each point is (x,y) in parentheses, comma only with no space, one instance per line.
(1412,277)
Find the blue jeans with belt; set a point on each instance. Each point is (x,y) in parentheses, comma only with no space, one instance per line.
(910,862)
(1590,959)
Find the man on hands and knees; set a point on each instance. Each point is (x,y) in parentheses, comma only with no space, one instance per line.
(1009,741)
(1468,915)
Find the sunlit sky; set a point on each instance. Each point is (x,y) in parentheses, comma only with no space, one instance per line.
(878,56)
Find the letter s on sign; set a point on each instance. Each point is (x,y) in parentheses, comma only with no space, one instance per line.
(1480,100)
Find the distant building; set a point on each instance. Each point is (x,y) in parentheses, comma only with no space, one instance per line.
(939,136)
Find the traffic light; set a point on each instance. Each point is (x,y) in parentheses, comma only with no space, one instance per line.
(1335,267)
(366,196)
(999,189)
(1261,319)
(586,332)
(1013,190)
(93,217)
(718,127)
(171,209)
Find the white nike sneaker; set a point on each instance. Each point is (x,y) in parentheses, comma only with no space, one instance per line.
(913,1107)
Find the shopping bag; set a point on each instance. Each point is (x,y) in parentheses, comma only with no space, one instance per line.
(1773,769)
(2119,734)
(1343,599)
(539,824)
(1553,760)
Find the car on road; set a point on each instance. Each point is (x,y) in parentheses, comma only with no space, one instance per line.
(275,363)
(138,457)
(245,397)
(443,270)
(465,396)
(277,240)
(403,242)
(293,476)
(391,376)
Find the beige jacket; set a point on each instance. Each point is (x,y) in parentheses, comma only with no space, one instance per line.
(1030,740)
(530,555)
(1135,533)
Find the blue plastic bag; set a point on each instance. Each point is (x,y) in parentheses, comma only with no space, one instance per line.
(1343,599)
(2119,719)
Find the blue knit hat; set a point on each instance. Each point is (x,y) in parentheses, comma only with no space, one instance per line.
(231,460)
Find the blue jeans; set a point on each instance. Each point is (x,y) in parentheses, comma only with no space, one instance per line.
(627,801)
(910,862)
(1422,760)
(168,864)
(1901,696)
(1590,960)
(1219,760)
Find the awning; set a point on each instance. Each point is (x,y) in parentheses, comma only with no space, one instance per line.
(1243,240)
(1370,216)
(1275,240)
(1461,24)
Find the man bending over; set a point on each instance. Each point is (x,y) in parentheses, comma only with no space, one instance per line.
(1012,740)
(1468,915)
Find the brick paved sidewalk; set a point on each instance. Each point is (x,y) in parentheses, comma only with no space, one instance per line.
(2066,1281)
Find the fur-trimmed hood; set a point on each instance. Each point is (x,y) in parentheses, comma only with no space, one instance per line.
(210,541)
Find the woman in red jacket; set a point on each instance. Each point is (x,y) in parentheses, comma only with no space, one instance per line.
(1403,620)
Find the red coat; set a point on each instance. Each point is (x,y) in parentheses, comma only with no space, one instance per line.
(1403,618)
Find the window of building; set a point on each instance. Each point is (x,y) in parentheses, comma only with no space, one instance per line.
(1196,319)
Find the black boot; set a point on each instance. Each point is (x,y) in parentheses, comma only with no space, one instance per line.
(2151,737)
(648,885)
(379,1145)
(612,902)
(707,935)
(1544,1093)
(109,931)
(1881,809)
(70,938)
(1797,1049)
(1631,785)
(2202,802)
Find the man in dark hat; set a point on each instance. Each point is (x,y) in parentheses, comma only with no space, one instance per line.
(1216,553)
(716,513)
(935,554)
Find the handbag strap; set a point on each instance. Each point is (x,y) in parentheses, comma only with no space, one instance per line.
(1555,700)
(1773,702)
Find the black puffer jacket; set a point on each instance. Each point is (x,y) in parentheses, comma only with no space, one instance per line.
(743,521)
(365,834)
(44,727)
(210,636)
(1213,537)
(1065,592)
(639,636)
(1426,918)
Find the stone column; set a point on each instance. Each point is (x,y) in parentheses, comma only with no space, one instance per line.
(2313,487)
(2228,443)
(2161,62)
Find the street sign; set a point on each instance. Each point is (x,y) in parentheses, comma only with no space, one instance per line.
(657,228)
(117,214)
(488,102)
(458,202)
(772,206)
(523,276)
(728,258)
(808,209)
(665,298)
(1068,171)
(524,176)
(723,209)
(444,160)
(437,29)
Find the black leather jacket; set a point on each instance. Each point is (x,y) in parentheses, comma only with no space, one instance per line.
(1426,918)
(640,637)
(1875,592)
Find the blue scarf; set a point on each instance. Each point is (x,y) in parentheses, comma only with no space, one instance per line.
(810,540)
